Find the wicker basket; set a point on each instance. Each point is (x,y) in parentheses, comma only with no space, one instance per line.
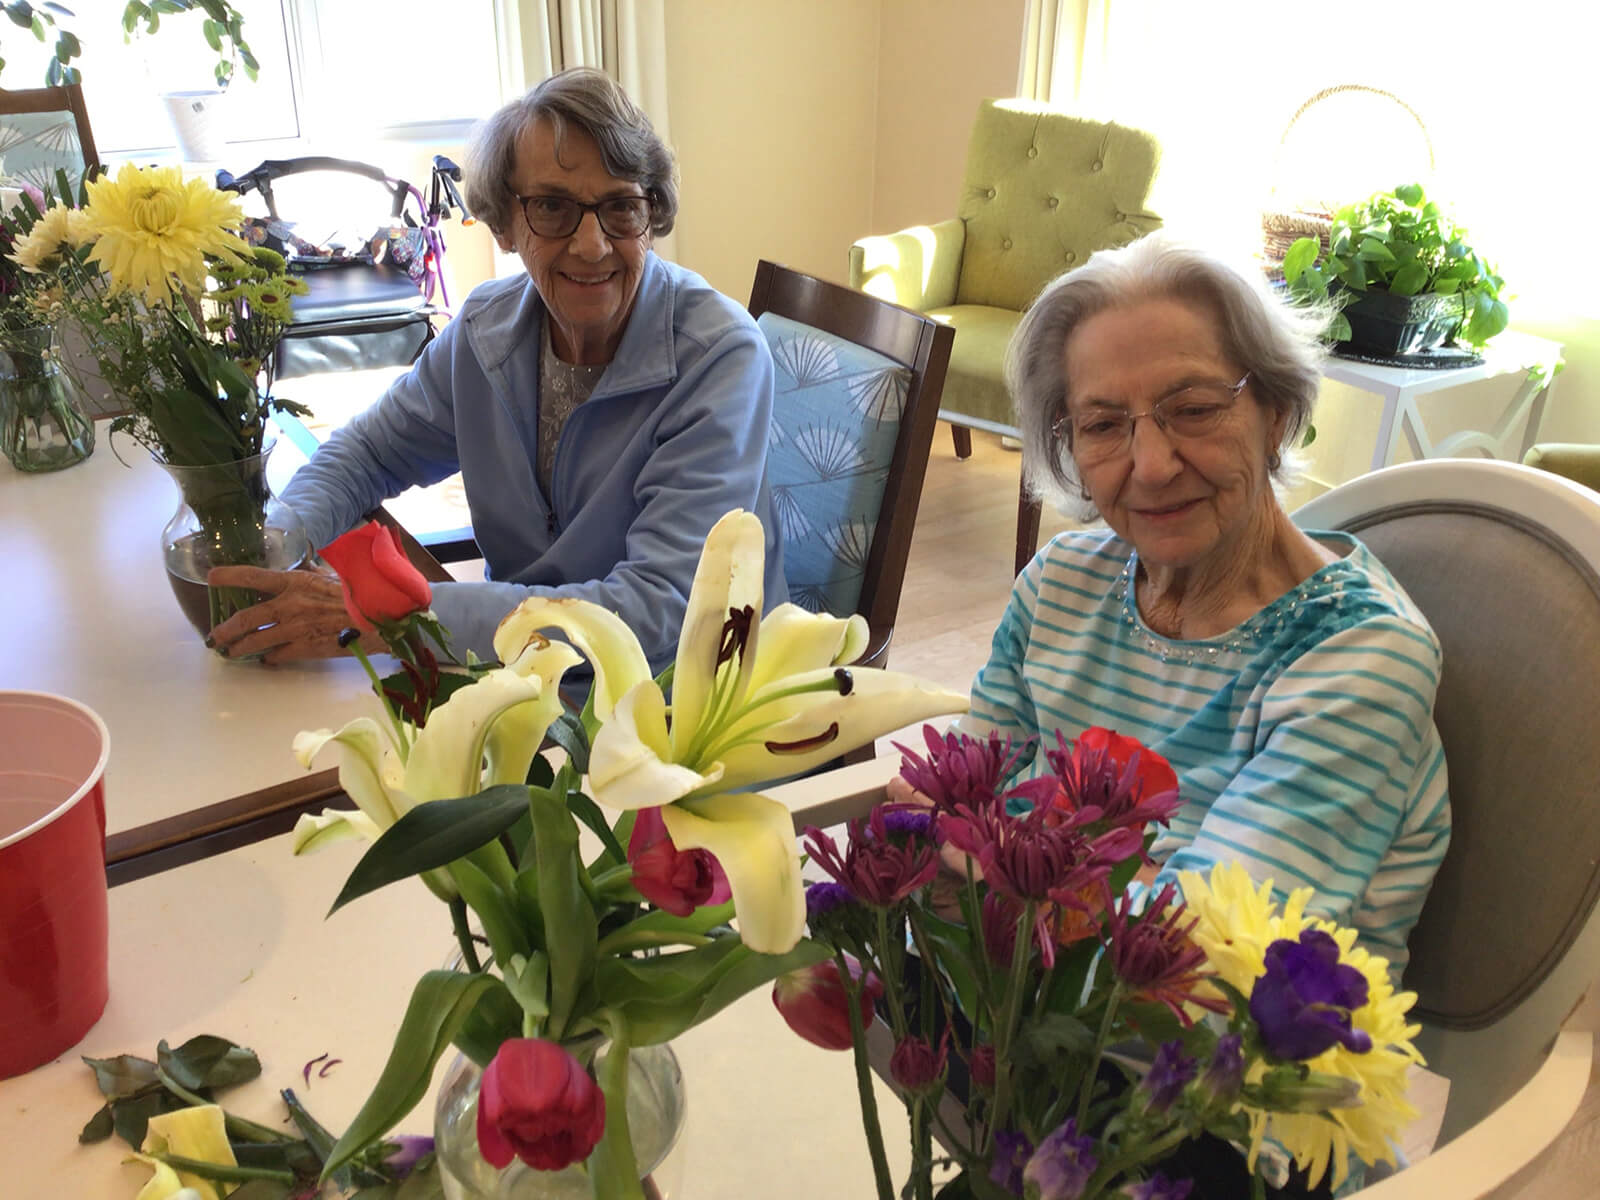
(1289,217)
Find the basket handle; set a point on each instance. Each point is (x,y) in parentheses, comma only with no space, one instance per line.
(1325,93)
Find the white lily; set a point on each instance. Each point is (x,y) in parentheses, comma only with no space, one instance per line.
(485,734)
(753,699)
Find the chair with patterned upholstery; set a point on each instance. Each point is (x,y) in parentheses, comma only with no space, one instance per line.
(1043,190)
(43,130)
(857,392)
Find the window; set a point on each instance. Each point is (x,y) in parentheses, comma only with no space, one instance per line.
(331,70)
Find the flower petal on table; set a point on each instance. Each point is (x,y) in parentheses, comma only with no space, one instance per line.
(752,838)
(197,1133)
(599,634)
(628,763)
(165,1184)
(728,579)
(365,772)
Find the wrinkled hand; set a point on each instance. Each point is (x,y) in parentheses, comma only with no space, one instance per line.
(301,617)
(952,877)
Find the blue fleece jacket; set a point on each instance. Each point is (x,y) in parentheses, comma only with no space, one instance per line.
(674,435)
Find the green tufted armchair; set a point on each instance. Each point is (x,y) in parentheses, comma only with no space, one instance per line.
(1575,461)
(1043,191)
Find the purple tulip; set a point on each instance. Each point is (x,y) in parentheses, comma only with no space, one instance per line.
(1303,1002)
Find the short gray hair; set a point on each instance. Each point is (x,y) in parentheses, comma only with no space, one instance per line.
(1277,344)
(588,100)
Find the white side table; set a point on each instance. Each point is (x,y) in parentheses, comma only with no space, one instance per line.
(1533,358)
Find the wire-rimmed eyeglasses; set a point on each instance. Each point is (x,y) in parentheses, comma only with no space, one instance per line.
(1103,432)
(620,217)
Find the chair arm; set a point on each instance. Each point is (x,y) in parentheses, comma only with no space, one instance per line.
(838,795)
(917,267)
(1575,461)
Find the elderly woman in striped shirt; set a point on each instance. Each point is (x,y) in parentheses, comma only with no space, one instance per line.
(1283,673)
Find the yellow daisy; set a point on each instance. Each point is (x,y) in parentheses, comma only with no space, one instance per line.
(57,228)
(154,229)
(1237,921)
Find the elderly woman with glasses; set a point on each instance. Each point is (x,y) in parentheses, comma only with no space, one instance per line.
(605,408)
(1284,673)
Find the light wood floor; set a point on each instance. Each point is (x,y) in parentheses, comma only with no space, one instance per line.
(957,582)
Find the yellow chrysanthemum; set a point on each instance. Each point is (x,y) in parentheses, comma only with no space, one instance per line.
(154,227)
(58,228)
(1237,921)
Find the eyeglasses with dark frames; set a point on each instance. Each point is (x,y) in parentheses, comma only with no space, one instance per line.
(1103,433)
(620,217)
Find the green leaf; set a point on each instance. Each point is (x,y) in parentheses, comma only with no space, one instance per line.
(124,1075)
(440,1005)
(494,909)
(99,1128)
(952,944)
(496,1017)
(131,1116)
(21,15)
(1408,280)
(567,732)
(587,811)
(212,32)
(665,995)
(570,932)
(208,1061)
(1372,250)
(1302,254)
(433,835)
(613,1169)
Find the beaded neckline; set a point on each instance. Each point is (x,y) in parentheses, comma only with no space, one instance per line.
(1323,587)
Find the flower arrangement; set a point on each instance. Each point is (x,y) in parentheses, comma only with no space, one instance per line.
(182,315)
(573,960)
(1060,1040)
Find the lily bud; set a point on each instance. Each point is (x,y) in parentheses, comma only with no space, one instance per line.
(815,1003)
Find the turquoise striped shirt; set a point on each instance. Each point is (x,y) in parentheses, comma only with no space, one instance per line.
(1303,739)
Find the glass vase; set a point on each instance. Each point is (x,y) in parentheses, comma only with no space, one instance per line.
(656,1113)
(42,424)
(227,516)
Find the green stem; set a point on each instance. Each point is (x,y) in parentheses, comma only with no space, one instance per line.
(623,940)
(1086,1087)
(458,921)
(377,686)
(221,1172)
(1006,1027)
(869,1100)
(1109,1172)
(245,1131)
(893,973)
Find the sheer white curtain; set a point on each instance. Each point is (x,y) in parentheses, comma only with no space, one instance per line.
(1064,51)
(626,39)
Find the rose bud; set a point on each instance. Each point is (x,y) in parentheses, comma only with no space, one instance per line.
(379,582)
(815,1003)
(537,1103)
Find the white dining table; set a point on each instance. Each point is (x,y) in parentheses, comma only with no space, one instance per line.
(238,945)
(87,613)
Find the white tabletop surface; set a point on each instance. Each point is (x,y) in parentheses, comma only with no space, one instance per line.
(1509,352)
(237,945)
(87,612)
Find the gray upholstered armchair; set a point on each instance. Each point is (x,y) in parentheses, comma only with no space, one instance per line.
(1043,190)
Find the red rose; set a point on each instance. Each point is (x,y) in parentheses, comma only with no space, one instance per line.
(1155,773)
(537,1103)
(379,582)
(815,1004)
(678,881)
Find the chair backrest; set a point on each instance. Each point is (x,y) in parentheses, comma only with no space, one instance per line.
(1505,562)
(857,392)
(43,130)
(1042,191)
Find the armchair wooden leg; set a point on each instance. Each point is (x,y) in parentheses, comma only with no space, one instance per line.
(962,437)
(1027,527)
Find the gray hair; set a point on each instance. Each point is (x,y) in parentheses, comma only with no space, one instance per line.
(590,101)
(1277,344)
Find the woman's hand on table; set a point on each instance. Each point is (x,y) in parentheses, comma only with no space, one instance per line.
(301,616)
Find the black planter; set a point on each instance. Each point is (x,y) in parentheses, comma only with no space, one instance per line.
(1383,323)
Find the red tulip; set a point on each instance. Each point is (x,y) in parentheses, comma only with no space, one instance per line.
(677,881)
(815,1004)
(1154,772)
(537,1103)
(379,582)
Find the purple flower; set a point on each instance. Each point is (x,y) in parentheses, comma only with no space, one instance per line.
(873,868)
(915,1065)
(1124,783)
(1012,1151)
(1060,1168)
(960,770)
(1224,1074)
(1169,1074)
(1158,1187)
(900,823)
(824,898)
(1304,1000)
(409,1150)
(1024,857)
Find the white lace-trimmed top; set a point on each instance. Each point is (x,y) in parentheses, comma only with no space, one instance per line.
(562,387)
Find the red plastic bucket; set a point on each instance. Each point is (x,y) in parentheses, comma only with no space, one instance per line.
(52,876)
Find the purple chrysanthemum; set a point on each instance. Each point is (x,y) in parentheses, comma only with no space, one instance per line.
(960,770)
(1303,1002)
(1154,955)
(824,898)
(873,867)
(1124,783)
(1060,1168)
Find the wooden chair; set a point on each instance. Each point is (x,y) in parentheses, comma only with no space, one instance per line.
(48,148)
(872,358)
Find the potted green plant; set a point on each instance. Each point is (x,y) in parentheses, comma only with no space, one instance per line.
(1403,274)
